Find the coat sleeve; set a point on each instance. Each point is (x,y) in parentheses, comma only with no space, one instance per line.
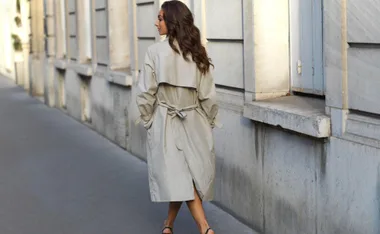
(148,88)
(207,98)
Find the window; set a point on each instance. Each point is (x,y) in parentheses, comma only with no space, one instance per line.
(72,30)
(225,36)
(101,33)
(49,28)
(146,15)
(306,49)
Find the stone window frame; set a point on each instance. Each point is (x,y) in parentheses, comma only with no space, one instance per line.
(268,94)
(85,31)
(61,29)
(119,39)
(121,42)
(49,29)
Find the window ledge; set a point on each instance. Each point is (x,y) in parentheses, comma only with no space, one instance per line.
(60,64)
(82,69)
(122,77)
(300,114)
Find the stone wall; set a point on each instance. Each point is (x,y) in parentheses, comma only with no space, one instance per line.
(284,165)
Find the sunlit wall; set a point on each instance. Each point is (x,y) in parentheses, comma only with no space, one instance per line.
(6,48)
(9,11)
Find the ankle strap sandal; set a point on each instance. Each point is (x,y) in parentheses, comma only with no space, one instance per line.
(171,230)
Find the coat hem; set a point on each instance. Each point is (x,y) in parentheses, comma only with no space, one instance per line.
(164,200)
(173,200)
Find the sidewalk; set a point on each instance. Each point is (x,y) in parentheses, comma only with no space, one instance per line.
(59,177)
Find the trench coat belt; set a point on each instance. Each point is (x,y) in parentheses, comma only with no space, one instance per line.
(172,111)
(177,112)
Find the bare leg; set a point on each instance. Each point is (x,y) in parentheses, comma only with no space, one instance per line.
(198,213)
(172,214)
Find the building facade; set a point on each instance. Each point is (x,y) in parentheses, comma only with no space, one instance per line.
(298,86)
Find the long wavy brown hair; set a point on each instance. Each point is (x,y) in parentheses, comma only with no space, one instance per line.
(180,24)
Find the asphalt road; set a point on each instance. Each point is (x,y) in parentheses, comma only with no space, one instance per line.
(57,176)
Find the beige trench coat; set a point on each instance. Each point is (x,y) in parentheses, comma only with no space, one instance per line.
(178,108)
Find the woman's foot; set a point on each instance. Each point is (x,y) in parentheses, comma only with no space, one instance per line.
(209,231)
(168,228)
(196,209)
(172,214)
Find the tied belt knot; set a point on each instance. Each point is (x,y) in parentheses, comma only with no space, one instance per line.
(174,111)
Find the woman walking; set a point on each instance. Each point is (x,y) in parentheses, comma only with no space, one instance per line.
(178,108)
